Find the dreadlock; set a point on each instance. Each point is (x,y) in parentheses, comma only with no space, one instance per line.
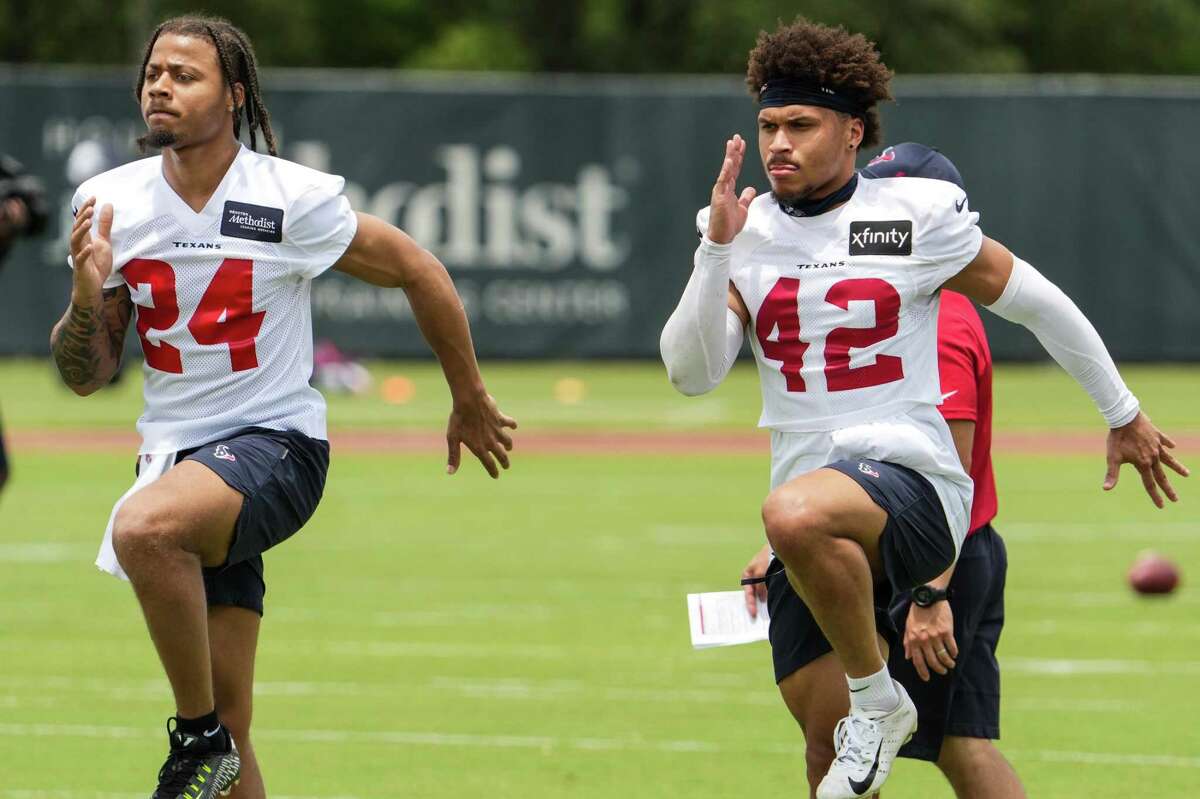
(238,64)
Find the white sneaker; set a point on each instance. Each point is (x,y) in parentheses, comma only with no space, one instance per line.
(866,746)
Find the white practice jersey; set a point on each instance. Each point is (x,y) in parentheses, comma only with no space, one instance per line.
(843,310)
(222,295)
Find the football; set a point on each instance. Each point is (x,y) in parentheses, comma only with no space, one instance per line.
(1151,573)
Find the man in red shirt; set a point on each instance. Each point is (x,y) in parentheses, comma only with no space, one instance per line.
(951,625)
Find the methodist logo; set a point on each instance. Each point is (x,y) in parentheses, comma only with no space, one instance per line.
(480,210)
(254,222)
(881,238)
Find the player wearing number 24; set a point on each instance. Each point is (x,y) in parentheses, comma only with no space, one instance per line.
(837,280)
(216,246)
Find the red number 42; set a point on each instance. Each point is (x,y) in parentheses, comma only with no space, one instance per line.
(225,314)
(781,310)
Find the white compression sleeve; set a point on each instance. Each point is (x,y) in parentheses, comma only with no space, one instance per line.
(702,338)
(1031,300)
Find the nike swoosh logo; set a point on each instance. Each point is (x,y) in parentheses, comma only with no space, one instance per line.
(949,394)
(958,206)
(861,788)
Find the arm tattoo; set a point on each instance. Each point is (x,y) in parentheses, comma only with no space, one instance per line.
(118,307)
(87,342)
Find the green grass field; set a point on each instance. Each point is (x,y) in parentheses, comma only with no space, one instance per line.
(429,636)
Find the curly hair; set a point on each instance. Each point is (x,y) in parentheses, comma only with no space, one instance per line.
(847,63)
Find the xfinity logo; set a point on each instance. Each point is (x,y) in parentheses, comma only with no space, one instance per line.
(881,238)
(196,245)
(254,222)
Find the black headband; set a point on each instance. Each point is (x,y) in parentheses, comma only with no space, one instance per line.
(789,91)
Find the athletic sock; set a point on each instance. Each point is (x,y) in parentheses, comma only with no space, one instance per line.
(874,693)
(208,726)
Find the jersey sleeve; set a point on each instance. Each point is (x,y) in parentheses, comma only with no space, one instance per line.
(949,240)
(957,367)
(114,280)
(321,225)
(702,221)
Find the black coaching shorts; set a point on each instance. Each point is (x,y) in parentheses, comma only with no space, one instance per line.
(916,546)
(965,702)
(281,476)
(796,640)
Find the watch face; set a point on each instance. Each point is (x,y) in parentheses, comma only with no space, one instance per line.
(923,595)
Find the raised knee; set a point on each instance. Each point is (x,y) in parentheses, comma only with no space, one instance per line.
(794,522)
(139,529)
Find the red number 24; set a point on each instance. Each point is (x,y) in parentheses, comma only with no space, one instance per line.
(781,310)
(225,314)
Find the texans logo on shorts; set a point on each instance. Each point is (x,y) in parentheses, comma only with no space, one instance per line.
(223,453)
(865,468)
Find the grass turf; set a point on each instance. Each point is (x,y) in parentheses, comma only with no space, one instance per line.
(429,636)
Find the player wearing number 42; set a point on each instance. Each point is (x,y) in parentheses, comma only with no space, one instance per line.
(837,280)
(216,246)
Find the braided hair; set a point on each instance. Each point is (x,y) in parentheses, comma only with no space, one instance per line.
(238,64)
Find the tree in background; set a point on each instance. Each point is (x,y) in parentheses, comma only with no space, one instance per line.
(633,36)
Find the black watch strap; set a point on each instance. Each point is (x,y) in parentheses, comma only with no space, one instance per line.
(926,595)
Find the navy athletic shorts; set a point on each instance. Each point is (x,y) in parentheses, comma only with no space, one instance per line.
(965,702)
(916,546)
(281,476)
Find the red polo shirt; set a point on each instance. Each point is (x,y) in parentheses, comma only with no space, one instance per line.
(965,366)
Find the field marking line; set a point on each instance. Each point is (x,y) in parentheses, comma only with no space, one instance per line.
(1147,629)
(42,552)
(1031,705)
(1124,598)
(546,743)
(1105,758)
(1065,667)
(501,689)
(367,648)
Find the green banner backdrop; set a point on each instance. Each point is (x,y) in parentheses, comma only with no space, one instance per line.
(564,207)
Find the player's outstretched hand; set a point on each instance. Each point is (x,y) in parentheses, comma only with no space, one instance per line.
(727,212)
(929,639)
(480,427)
(1147,448)
(92,255)
(756,569)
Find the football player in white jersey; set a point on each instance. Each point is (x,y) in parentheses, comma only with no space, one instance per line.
(216,246)
(837,281)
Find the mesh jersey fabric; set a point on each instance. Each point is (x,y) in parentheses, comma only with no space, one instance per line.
(222,295)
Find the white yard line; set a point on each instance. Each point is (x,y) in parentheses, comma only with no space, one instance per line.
(1062,667)
(1076,626)
(1030,705)
(544,743)
(1051,601)
(42,552)
(1105,758)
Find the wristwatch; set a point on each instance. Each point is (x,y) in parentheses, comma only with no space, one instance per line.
(924,596)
